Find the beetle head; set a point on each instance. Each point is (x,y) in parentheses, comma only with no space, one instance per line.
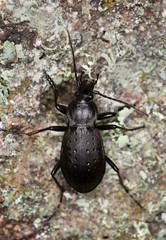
(85,90)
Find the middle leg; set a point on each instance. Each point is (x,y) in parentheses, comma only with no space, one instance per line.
(105,115)
(51,128)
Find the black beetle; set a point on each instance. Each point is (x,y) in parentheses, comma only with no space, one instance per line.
(83,159)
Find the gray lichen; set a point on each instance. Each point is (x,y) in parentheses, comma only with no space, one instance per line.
(124,42)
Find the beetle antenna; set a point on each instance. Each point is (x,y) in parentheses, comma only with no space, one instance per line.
(97,78)
(81,76)
(74,62)
(117,100)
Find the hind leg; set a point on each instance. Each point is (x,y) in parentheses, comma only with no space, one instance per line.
(53,172)
(115,168)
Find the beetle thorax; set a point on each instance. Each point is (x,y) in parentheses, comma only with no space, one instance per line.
(82,114)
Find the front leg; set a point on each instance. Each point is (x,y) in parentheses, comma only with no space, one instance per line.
(105,115)
(59,107)
(102,116)
(51,128)
(112,126)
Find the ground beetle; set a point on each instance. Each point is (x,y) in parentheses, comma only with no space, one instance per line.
(82,159)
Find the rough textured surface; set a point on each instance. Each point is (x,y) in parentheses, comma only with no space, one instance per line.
(124,42)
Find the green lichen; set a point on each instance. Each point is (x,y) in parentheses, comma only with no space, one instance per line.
(9,51)
(3,93)
(142,230)
(21,202)
(40,141)
(122,141)
(109,3)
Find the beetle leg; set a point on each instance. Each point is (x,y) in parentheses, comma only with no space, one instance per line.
(102,116)
(54,171)
(105,115)
(52,128)
(115,168)
(59,107)
(112,126)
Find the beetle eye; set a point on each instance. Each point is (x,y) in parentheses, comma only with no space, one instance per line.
(90,96)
